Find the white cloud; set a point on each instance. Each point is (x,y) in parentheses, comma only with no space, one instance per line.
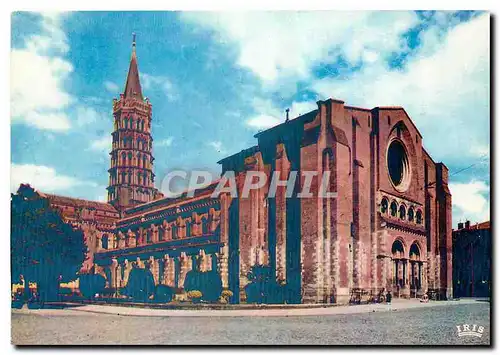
(38,73)
(167,142)
(53,121)
(263,121)
(111,87)
(102,144)
(444,88)
(86,115)
(269,115)
(470,201)
(152,82)
(275,45)
(302,107)
(42,178)
(218,147)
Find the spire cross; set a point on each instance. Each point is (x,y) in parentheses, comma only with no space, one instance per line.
(133,39)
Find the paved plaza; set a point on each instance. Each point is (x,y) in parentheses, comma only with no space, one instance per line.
(402,323)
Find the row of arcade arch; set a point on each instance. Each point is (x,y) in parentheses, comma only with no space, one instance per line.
(401,262)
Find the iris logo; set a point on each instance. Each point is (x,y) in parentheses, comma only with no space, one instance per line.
(473,330)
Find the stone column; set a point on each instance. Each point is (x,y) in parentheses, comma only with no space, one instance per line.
(224,266)
(201,261)
(177,271)
(126,273)
(99,243)
(186,265)
(119,275)
(155,269)
(208,263)
(121,240)
(425,285)
(131,239)
(213,262)
(154,233)
(114,273)
(161,271)
(170,271)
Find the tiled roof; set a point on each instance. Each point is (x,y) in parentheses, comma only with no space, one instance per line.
(76,202)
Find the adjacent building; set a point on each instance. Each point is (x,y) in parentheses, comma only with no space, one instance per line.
(472,260)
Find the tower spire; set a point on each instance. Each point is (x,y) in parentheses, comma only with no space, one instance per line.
(133,85)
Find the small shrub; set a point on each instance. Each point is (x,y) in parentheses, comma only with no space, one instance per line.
(90,284)
(194,294)
(225,296)
(208,283)
(141,285)
(163,294)
(263,287)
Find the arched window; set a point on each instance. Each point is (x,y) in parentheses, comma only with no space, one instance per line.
(105,240)
(142,125)
(397,250)
(402,212)
(419,217)
(411,214)
(414,252)
(130,158)
(175,235)
(139,178)
(415,267)
(129,177)
(144,159)
(138,123)
(384,206)
(204,225)
(399,277)
(188,229)
(394,209)
(161,233)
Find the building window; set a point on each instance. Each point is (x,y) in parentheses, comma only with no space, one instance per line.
(398,165)
(105,240)
(399,264)
(419,217)
(394,209)
(204,226)
(384,206)
(402,212)
(411,214)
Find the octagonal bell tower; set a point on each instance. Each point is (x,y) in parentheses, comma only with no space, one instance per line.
(131,177)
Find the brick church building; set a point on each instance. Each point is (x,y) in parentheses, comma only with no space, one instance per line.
(388,228)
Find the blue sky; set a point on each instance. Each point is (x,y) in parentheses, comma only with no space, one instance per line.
(215,79)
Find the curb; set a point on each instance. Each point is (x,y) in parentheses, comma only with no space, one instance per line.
(262,312)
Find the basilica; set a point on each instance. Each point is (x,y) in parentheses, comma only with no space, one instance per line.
(389,227)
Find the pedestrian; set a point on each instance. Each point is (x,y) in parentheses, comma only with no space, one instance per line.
(388,297)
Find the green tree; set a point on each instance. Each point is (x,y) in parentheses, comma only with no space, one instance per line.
(43,248)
